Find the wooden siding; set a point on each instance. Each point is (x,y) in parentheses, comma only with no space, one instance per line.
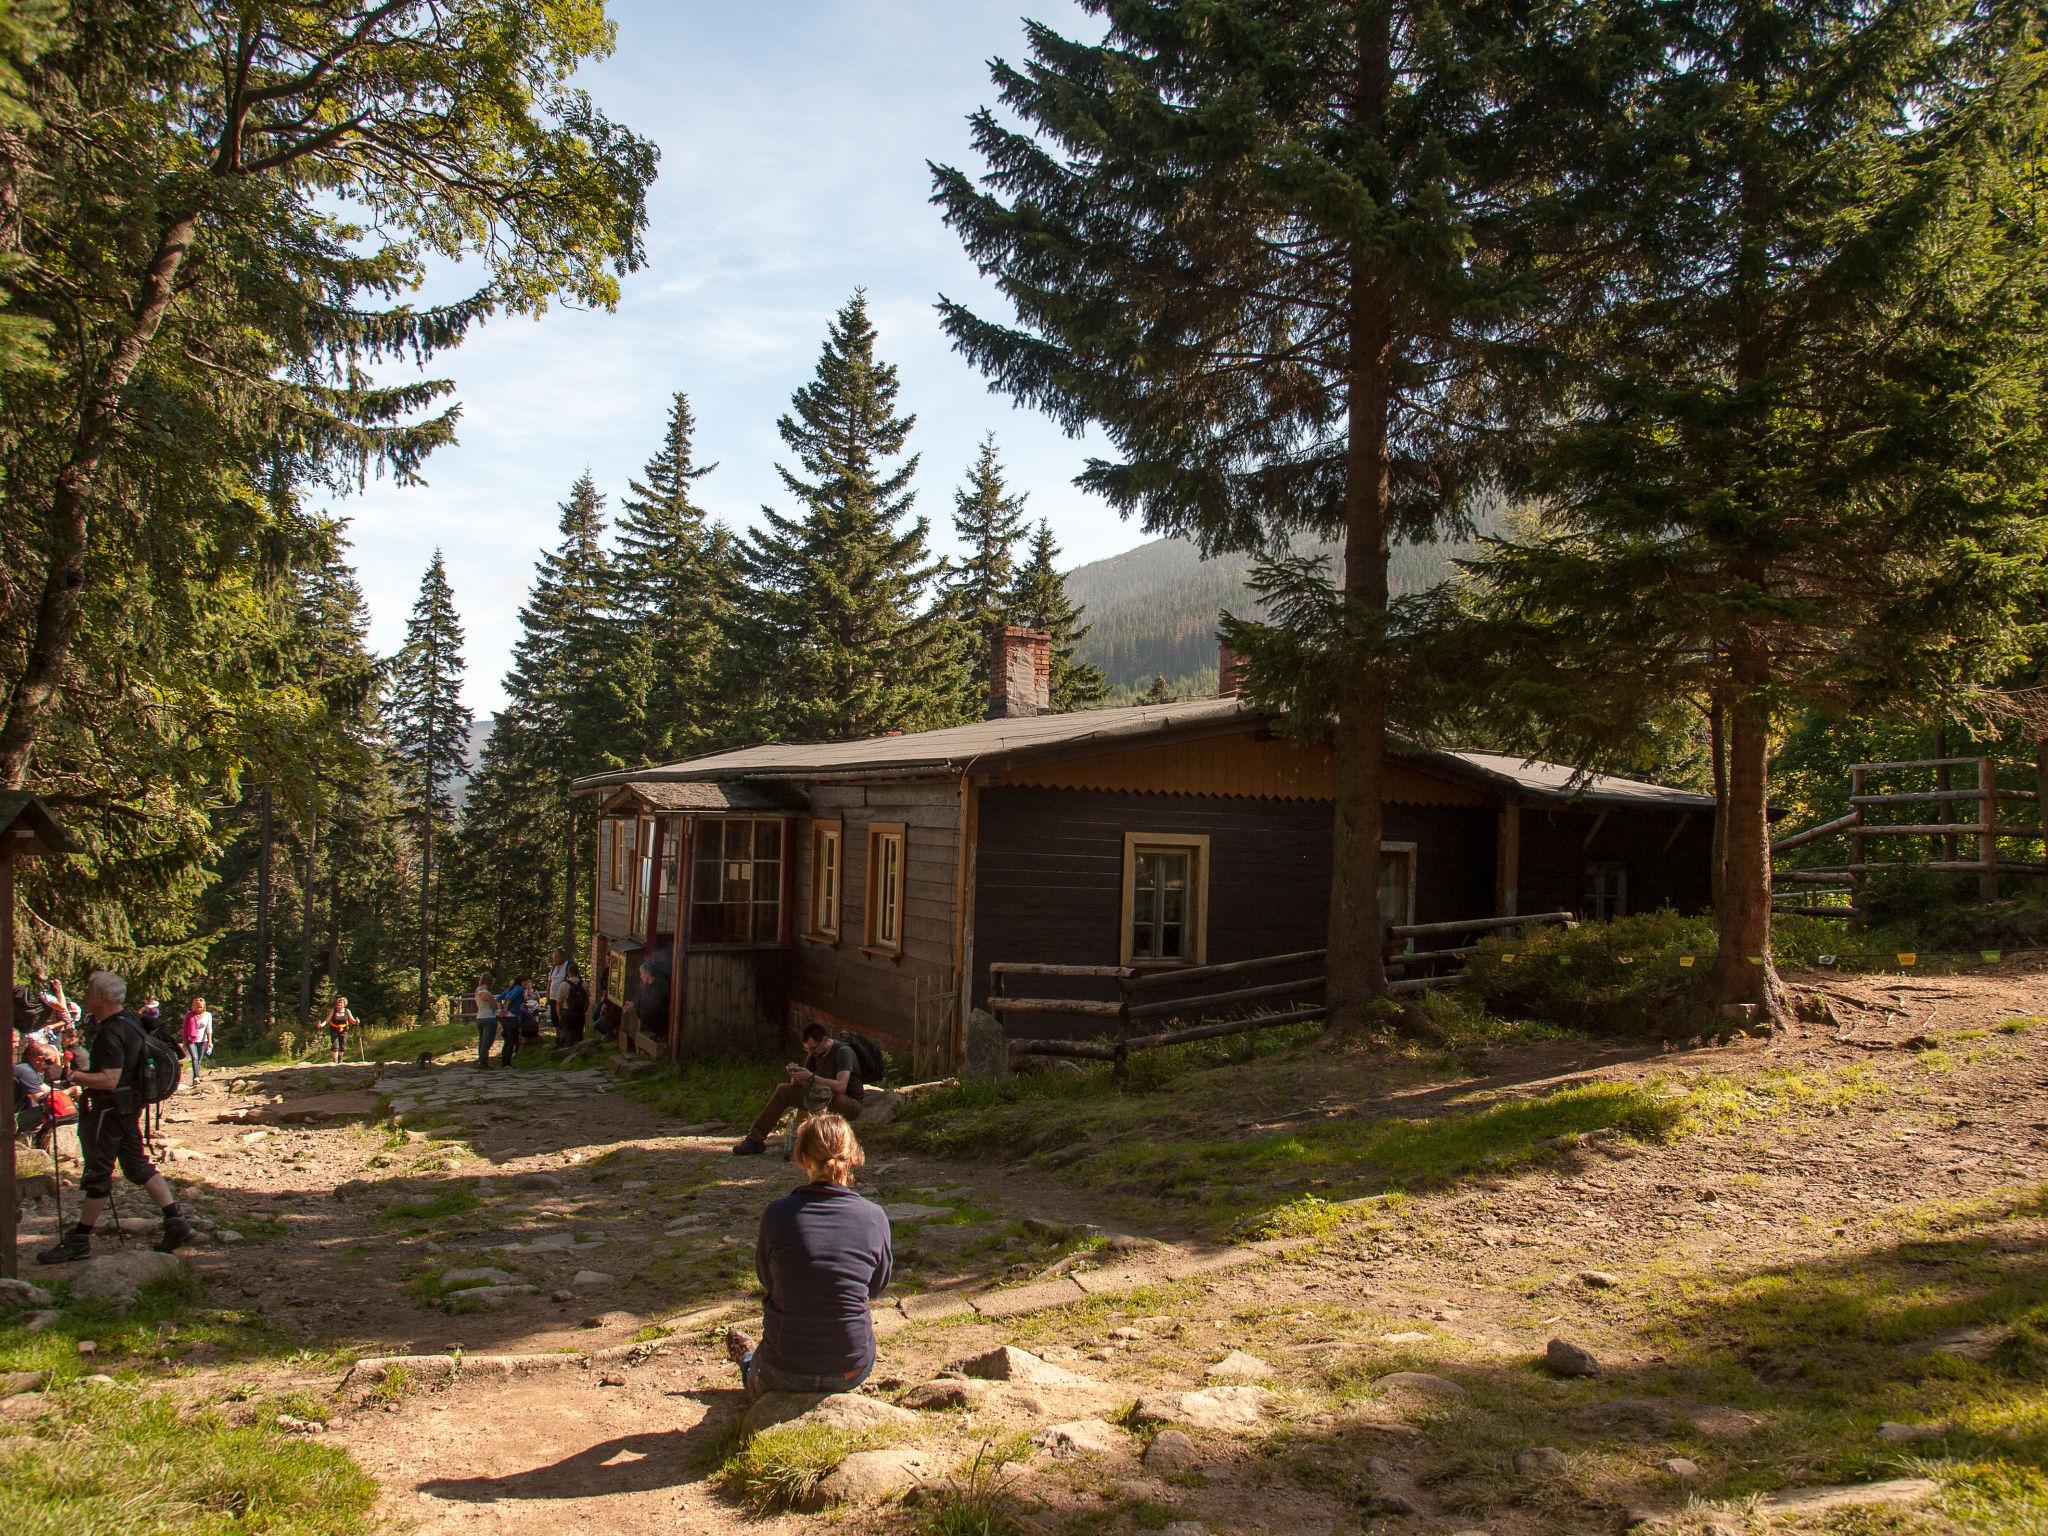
(1555,854)
(1242,763)
(734,1002)
(611,905)
(913,995)
(1049,872)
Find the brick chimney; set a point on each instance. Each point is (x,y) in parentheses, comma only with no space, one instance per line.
(1229,672)
(1019,673)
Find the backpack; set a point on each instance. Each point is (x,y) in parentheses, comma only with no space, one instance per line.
(869,1055)
(162,1064)
(578,1001)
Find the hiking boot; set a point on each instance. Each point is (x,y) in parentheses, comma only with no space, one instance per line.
(71,1247)
(177,1233)
(749,1146)
(737,1345)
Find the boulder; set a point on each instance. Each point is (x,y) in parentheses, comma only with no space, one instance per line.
(38,1321)
(836,1410)
(1079,1437)
(1894,1433)
(988,1048)
(537,1181)
(1008,1363)
(1417,1381)
(1680,1466)
(1172,1451)
(19,1293)
(1539,1461)
(116,1276)
(1567,1359)
(878,1107)
(1222,1408)
(947,1392)
(868,1476)
(1240,1366)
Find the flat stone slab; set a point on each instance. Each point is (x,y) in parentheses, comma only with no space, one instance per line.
(933,1305)
(1224,1408)
(866,1477)
(903,1212)
(1079,1437)
(1237,1365)
(1418,1381)
(1018,1300)
(356,1105)
(1897,1490)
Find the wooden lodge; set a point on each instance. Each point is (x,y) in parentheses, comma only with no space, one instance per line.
(871,884)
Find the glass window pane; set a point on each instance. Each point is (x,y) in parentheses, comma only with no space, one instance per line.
(768,840)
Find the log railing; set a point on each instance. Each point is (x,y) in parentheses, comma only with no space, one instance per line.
(1984,828)
(1294,999)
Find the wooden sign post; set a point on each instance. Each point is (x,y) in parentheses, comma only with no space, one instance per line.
(26,827)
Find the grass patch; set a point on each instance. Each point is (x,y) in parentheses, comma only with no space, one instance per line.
(696,1091)
(780,1468)
(453,1202)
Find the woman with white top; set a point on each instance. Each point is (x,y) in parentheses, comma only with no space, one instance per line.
(486,1020)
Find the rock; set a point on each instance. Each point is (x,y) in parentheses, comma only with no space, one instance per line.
(1418,1381)
(1404,1338)
(1224,1408)
(227,1237)
(98,1380)
(902,1212)
(297,1426)
(38,1321)
(1567,1359)
(947,1392)
(537,1181)
(1807,1501)
(633,1184)
(589,1279)
(1184,1528)
(988,1048)
(1895,1433)
(88,1347)
(868,1476)
(456,1279)
(1540,1461)
(14,1383)
(115,1277)
(19,1293)
(1172,1451)
(1397,1504)
(1680,1466)
(1599,1279)
(1241,1366)
(838,1410)
(1078,1437)
(878,1108)
(488,1295)
(1008,1363)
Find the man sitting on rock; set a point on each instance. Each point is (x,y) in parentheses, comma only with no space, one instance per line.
(829,1079)
(112,1129)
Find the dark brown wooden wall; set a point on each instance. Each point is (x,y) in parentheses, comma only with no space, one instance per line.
(1555,853)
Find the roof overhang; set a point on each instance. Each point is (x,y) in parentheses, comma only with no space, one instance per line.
(29,826)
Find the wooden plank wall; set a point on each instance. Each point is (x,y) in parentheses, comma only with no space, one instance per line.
(1555,854)
(1049,872)
(1243,762)
(734,1002)
(912,995)
(612,906)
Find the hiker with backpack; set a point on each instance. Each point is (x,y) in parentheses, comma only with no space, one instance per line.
(574,1011)
(132,1070)
(832,1078)
(336,1025)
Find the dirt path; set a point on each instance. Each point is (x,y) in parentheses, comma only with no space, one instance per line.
(624,1229)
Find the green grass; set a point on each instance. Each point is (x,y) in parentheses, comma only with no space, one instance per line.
(431,1208)
(696,1091)
(780,1468)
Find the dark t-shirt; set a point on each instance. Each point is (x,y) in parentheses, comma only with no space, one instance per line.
(823,1255)
(835,1061)
(28,1084)
(117,1046)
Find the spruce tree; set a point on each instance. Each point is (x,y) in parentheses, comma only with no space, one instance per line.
(673,579)
(1284,256)
(430,728)
(1805,468)
(1038,599)
(841,639)
(980,587)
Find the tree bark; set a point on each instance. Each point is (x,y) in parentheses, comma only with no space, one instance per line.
(306,922)
(426,875)
(72,502)
(569,884)
(1357,975)
(1743,970)
(266,1003)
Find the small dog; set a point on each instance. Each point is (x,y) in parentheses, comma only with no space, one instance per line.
(426,1060)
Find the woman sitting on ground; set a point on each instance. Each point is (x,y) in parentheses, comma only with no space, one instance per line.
(822,1256)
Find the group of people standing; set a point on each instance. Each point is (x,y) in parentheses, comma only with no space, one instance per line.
(516,1011)
(51,1052)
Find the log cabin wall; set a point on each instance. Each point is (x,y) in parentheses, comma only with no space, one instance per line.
(1667,854)
(614,864)
(735,1002)
(1049,870)
(908,1001)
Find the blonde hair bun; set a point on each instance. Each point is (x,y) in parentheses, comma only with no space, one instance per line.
(828,1149)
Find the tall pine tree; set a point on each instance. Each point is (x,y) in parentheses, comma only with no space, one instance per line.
(988,520)
(840,636)
(430,729)
(1806,467)
(1282,254)
(1038,599)
(674,574)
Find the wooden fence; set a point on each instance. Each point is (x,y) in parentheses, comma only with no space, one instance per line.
(1140,998)
(1985,825)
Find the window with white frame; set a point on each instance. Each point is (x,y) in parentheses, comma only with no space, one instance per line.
(883,912)
(826,866)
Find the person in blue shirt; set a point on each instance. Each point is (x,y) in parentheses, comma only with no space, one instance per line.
(823,1256)
(511,1004)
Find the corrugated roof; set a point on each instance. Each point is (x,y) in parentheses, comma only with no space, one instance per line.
(990,742)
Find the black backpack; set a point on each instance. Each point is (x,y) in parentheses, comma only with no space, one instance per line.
(162,1064)
(869,1055)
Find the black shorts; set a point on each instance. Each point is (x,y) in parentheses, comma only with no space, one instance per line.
(110,1136)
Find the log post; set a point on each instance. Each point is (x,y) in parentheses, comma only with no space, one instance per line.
(1859,778)
(1507,861)
(8,841)
(1123,1027)
(1987,829)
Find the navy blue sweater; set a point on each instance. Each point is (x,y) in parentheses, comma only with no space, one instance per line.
(823,1254)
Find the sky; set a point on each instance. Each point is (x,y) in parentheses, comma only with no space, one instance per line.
(794,138)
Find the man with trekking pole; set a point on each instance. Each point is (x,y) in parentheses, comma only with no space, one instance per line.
(118,1088)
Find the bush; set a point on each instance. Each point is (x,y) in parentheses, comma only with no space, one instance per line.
(1625,977)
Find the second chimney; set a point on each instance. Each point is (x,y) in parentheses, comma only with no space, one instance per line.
(1229,672)
(1019,673)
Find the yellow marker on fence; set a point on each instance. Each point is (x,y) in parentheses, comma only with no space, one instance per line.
(1507,959)
(1564,959)
(1910,958)
(1992,956)
(1685,962)
(1625,959)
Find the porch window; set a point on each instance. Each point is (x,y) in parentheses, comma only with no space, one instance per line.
(1606,891)
(615,854)
(1166,906)
(643,874)
(736,883)
(825,867)
(671,872)
(884,907)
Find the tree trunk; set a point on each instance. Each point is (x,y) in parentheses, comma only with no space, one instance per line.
(569,885)
(426,899)
(72,500)
(1717,750)
(306,923)
(332,968)
(1743,971)
(266,1002)
(1357,962)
